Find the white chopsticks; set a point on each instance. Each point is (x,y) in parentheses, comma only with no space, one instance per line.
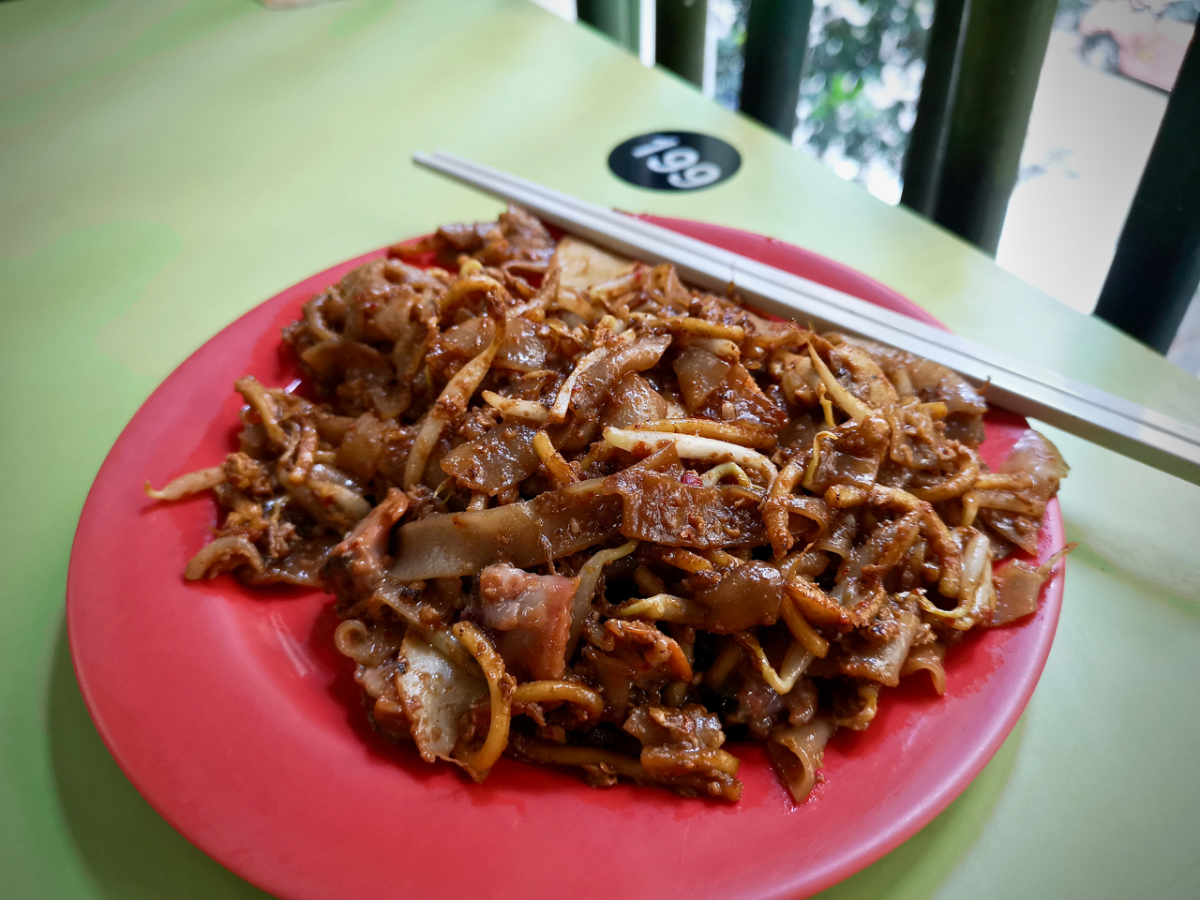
(1021,387)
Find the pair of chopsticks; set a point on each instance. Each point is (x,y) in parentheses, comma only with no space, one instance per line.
(1013,384)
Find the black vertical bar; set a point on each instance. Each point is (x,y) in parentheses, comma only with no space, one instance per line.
(776,46)
(927,143)
(986,117)
(619,19)
(1156,269)
(679,27)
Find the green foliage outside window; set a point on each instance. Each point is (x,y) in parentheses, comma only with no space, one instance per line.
(858,97)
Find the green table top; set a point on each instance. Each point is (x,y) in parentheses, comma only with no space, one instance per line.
(165,166)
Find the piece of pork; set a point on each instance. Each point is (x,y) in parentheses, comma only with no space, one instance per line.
(532,615)
(360,561)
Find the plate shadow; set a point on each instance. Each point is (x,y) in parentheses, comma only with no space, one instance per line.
(128,849)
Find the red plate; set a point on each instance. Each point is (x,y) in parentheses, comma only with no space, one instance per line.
(232,714)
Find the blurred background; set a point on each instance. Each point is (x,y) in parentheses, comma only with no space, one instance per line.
(1101,94)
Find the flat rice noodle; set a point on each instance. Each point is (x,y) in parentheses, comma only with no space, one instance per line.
(456,346)
(883,663)
(408,352)
(853,456)
(589,581)
(699,373)
(664,462)
(1016,529)
(914,443)
(858,586)
(366,292)
(633,402)
(850,604)
(1018,586)
(744,596)
(658,507)
(333,428)
(502,457)
(436,693)
(886,547)
(594,384)
(797,753)
(797,377)
(868,381)
(521,349)
(799,432)
(740,395)
(367,283)
(931,382)
(582,264)
(398,315)
(338,360)
(1034,456)
(362,447)
(552,525)
(929,658)
(662,292)
(839,538)
(467,338)
(964,427)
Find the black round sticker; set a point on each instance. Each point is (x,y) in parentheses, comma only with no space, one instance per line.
(674,161)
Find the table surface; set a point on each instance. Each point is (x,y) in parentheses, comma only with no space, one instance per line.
(165,166)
